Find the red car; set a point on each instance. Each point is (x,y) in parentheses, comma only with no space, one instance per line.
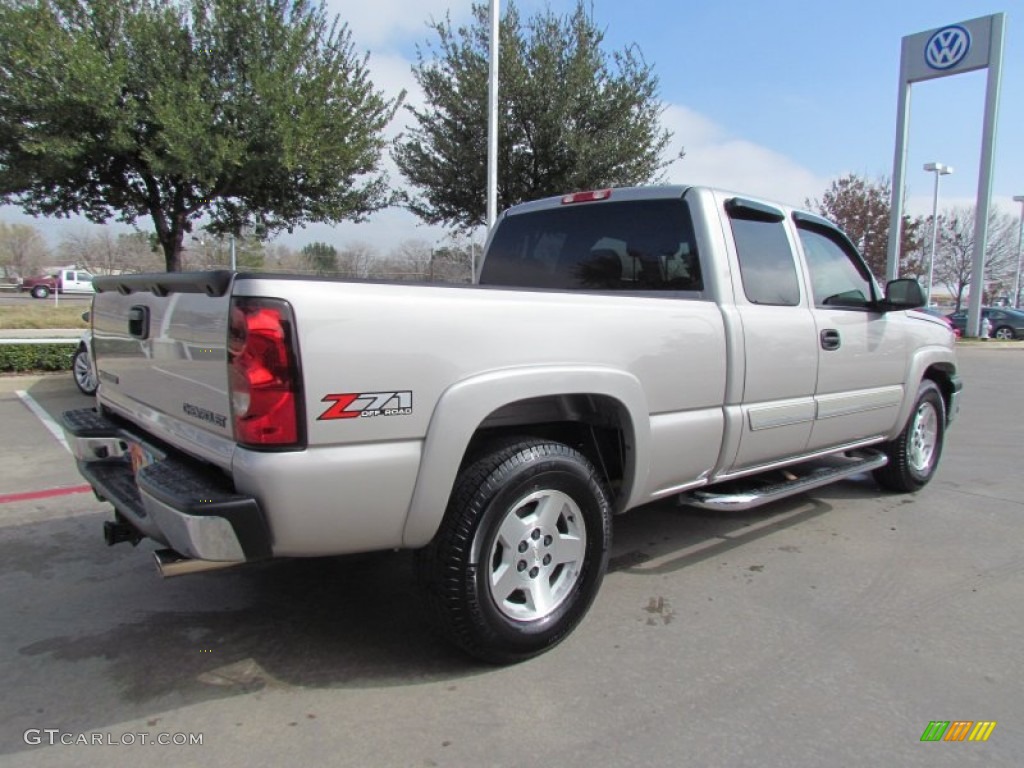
(936,312)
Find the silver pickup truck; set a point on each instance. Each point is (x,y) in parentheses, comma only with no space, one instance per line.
(621,346)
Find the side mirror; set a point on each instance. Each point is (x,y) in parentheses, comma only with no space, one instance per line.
(905,293)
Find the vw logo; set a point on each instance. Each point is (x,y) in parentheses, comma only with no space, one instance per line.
(947,47)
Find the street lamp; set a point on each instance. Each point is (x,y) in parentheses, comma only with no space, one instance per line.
(1020,237)
(939,170)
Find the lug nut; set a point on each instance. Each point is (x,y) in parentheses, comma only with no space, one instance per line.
(536,534)
(547,541)
(521,566)
(522,546)
(534,571)
(547,559)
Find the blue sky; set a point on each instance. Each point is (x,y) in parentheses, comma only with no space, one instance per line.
(769,98)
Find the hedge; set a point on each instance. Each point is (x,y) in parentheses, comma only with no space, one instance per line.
(24,358)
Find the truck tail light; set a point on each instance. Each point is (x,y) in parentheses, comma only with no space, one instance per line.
(263,374)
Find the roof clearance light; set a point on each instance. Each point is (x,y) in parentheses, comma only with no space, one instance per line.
(587,197)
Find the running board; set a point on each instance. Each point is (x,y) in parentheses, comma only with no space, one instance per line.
(757,490)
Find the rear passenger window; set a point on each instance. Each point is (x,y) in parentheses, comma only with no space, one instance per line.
(766,260)
(636,245)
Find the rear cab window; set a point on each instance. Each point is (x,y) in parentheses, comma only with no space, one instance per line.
(637,246)
(767,268)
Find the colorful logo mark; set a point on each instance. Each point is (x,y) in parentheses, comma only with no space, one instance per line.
(958,730)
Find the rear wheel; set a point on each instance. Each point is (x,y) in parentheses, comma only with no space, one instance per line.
(1004,333)
(521,552)
(81,369)
(40,292)
(914,455)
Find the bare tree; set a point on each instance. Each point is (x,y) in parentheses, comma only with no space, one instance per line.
(357,260)
(137,253)
(282,258)
(410,260)
(103,251)
(954,250)
(22,249)
(456,259)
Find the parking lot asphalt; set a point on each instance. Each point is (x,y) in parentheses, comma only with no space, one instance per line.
(828,629)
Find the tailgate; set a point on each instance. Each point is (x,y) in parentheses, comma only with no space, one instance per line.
(160,349)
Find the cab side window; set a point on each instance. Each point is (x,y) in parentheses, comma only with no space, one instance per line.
(838,277)
(766,261)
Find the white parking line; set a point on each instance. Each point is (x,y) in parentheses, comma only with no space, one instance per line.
(44,417)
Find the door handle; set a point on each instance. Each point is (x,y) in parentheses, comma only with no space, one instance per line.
(830,339)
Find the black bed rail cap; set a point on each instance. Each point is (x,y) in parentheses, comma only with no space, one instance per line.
(214,283)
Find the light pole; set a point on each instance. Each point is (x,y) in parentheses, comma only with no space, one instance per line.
(1020,238)
(939,170)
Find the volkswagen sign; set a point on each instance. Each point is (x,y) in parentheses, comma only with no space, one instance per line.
(947,47)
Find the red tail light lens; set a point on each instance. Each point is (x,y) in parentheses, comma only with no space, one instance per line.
(263,374)
(587,197)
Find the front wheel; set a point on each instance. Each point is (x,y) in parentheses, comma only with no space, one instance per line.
(914,455)
(521,552)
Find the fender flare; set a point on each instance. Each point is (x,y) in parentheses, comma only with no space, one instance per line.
(924,359)
(465,405)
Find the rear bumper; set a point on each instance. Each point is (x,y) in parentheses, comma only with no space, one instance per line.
(183,504)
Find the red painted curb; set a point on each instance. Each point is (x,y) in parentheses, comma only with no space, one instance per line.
(32,495)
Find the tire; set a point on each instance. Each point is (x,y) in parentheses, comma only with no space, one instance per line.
(40,292)
(1004,333)
(521,552)
(82,372)
(914,455)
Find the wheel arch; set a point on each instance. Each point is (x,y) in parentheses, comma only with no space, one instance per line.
(567,404)
(944,376)
(936,364)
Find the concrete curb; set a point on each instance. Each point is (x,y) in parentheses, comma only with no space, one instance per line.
(989,344)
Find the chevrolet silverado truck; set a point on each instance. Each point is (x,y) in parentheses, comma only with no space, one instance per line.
(619,347)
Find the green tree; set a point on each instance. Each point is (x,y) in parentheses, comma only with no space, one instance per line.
(321,258)
(571,116)
(250,113)
(861,208)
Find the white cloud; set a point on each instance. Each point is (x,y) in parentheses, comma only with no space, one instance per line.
(714,158)
(385,22)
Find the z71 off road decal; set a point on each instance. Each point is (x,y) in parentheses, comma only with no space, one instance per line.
(353,405)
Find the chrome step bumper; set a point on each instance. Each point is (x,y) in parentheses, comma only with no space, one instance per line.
(191,507)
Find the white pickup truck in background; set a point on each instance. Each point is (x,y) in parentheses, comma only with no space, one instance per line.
(63,281)
(622,346)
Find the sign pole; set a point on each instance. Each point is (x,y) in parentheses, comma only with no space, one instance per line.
(988,146)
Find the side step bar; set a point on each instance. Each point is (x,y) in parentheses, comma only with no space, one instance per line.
(757,490)
(170,563)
